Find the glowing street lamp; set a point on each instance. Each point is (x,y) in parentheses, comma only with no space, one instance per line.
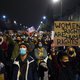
(55,1)
(41,22)
(44,17)
(15,22)
(4,17)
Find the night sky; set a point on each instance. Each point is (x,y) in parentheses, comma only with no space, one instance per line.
(30,12)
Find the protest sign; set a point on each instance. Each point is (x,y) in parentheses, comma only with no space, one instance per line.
(1,76)
(67,33)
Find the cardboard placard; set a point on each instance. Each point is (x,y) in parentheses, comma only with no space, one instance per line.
(2,77)
(67,33)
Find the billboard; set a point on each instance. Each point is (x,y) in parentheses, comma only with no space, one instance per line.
(67,33)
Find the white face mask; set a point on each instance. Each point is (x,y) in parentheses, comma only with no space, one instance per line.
(23,51)
(40,45)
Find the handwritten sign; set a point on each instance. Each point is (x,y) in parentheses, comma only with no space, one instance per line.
(67,33)
(1,76)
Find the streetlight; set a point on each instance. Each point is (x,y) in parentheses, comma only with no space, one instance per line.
(4,17)
(44,17)
(56,1)
(41,22)
(15,22)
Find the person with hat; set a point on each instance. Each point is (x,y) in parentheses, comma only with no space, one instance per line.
(24,66)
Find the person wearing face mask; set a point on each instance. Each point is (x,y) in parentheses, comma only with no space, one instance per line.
(40,54)
(66,72)
(71,52)
(73,59)
(24,67)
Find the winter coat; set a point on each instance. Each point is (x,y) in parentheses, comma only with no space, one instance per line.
(66,74)
(31,71)
(53,67)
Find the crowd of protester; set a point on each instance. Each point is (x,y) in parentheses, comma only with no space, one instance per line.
(35,57)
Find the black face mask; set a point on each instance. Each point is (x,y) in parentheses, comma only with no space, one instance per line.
(66,64)
(71,52)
